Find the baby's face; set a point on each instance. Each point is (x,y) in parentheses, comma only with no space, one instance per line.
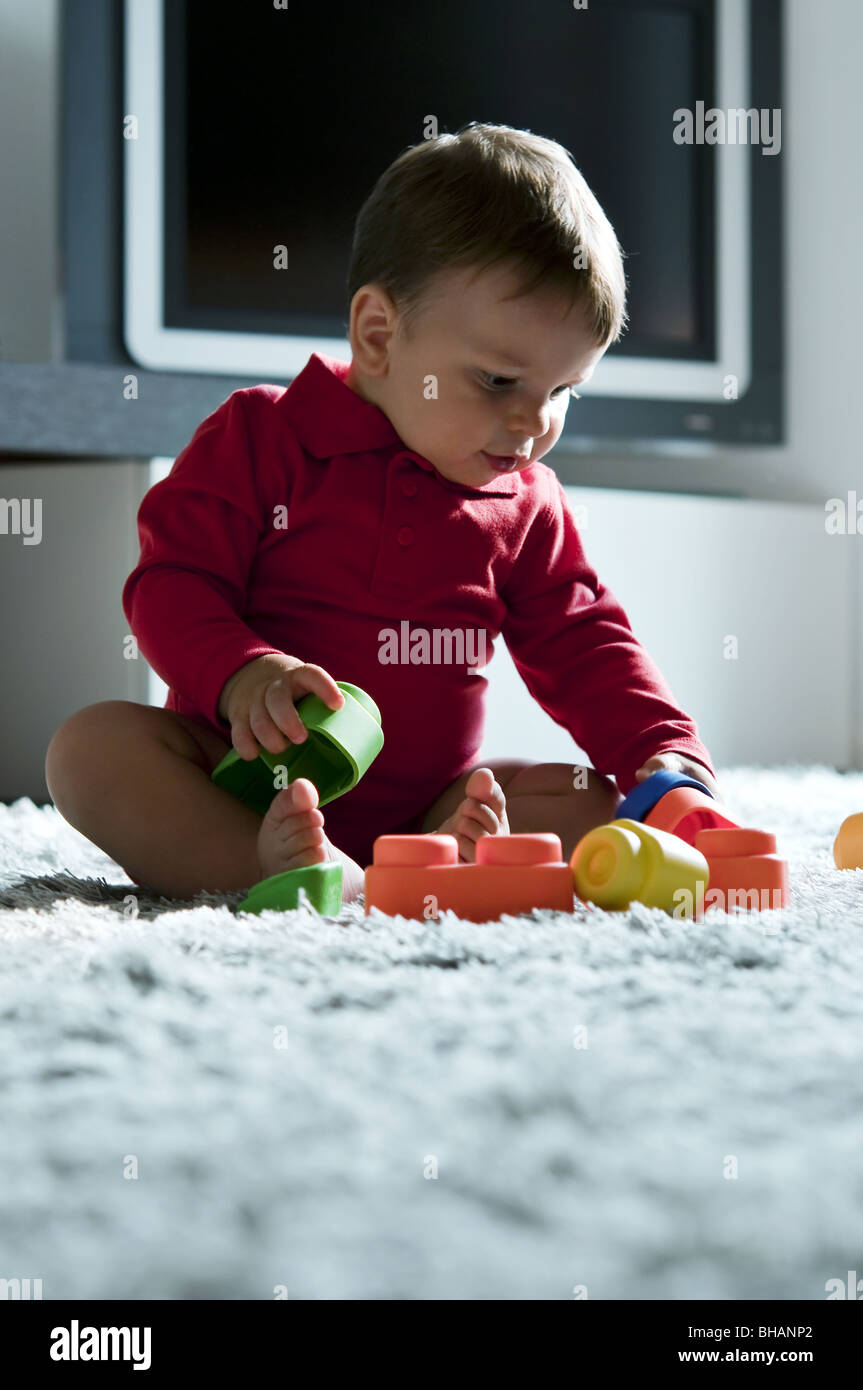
(478,376)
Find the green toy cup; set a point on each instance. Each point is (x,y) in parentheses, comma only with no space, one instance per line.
(322,884)
(340,748)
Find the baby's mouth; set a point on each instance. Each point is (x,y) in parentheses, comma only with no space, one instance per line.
(503,463)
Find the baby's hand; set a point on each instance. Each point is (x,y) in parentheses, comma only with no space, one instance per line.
(258,702)
(678,762)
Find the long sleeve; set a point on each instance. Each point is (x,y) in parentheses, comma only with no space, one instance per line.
(199,529)
(572,643)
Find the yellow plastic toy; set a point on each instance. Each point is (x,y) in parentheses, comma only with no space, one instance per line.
(848,845)
(627,861)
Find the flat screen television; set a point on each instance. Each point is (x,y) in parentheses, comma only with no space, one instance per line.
(258,125)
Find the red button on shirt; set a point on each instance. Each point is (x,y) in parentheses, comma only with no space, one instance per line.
(270,535)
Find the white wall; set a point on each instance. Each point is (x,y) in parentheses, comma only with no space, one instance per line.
(61,621)
(690,573)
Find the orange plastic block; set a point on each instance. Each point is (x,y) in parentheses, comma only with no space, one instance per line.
(420,876)
(685,810)
(745,869)
(848,845)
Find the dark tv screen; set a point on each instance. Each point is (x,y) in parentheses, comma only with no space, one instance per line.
(279,121)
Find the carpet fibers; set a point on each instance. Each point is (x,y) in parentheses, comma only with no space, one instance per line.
(199,1105)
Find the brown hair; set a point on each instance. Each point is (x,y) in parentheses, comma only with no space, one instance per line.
(486,194)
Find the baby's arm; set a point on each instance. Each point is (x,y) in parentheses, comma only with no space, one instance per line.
(200,529)
(573,645)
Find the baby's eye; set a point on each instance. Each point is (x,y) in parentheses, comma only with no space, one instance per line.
(495,383)
(502,383)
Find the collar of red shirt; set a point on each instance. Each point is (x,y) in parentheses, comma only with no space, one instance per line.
(329,418)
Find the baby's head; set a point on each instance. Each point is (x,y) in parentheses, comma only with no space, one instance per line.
(485,284)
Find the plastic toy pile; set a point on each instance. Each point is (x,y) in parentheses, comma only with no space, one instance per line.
(672,845)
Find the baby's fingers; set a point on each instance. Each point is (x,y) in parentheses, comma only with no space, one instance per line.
(276,716)
(273,719)
(243,739)
(669,762)
(314,680)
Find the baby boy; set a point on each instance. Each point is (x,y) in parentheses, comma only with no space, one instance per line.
(403,492)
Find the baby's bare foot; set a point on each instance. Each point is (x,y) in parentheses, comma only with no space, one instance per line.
(292,837)
(483,812)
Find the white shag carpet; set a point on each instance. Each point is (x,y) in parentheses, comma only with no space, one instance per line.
(162,1138)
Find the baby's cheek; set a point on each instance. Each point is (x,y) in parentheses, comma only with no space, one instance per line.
(554,433)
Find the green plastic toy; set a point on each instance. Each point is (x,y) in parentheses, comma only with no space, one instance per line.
(341,746)
(322,884)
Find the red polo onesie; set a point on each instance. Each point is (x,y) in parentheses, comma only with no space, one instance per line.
(375,540)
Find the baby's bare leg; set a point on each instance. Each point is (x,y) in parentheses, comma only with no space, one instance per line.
(135,779)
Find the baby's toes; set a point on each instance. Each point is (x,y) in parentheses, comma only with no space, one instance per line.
(304,844)
(474,819)
(292,832)
(481,786)
(477,818)
(291,808)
